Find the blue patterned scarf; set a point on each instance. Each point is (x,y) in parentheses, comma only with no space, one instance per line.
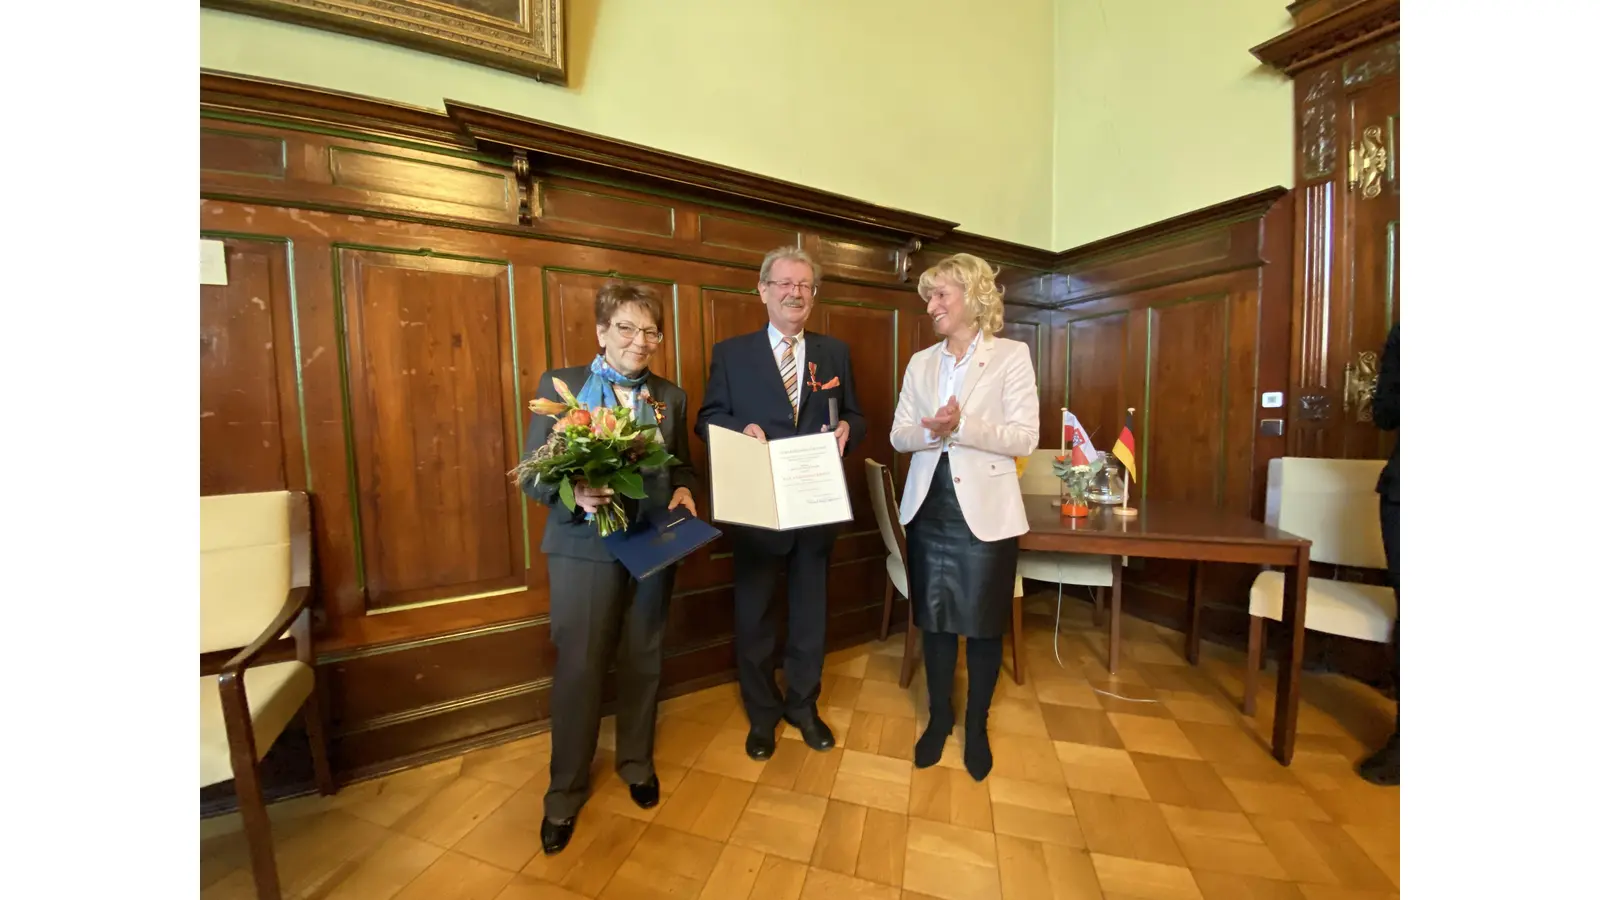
(599,389)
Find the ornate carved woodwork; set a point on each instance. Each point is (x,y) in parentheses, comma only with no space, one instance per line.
(1344,56)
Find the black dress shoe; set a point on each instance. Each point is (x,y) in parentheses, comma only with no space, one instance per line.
(647,794)
(814,732)
(555,835)
(760,743)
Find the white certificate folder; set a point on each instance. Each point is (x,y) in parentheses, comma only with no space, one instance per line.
(778,485)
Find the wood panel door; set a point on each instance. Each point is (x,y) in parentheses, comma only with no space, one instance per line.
(1347,249)
(1373,228)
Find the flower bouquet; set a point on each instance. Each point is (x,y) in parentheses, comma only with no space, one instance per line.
(606,447)
(1076,475)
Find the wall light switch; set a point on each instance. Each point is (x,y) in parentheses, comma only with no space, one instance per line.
(1271,400)
(1272,427)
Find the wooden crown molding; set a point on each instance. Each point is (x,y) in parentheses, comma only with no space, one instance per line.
(995,251)
(1250,206)
(463,127)
(1332,35)
(238,94)
(500,132)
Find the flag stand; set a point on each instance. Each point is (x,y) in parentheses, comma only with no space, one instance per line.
(1127,490)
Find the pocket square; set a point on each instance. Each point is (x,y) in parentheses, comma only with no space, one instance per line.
(830,383)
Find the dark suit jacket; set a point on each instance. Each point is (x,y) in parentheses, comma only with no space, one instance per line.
(744,387)
(565,532)
(1386,411)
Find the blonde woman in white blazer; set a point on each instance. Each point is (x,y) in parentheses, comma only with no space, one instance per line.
(969,406)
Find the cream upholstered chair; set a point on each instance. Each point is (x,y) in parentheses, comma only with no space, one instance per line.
(1333,503)
(255,585)
(886,509)
(1088,570)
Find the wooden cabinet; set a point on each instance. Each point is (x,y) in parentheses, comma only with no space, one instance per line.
(1344,56)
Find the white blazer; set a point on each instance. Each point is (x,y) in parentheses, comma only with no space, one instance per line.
(999,402)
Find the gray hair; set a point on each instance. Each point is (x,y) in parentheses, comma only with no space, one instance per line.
(793,254)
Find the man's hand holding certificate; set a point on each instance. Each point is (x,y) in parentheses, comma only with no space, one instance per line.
(779,485)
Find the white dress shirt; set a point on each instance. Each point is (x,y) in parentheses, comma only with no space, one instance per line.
(775,337)
(952,373)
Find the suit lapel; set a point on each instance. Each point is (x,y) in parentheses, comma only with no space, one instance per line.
(930,378)
(804,373)
(977,367)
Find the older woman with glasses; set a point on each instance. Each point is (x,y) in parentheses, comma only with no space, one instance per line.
(593,620)
(969,406)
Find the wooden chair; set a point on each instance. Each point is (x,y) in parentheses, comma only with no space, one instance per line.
(885,508)
(255,585)
(1334,504)
(1060,569)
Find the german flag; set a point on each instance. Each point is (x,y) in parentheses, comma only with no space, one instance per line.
(1123,449)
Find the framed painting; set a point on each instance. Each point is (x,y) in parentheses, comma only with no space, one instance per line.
(524,36)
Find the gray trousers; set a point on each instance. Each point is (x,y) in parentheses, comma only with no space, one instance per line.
(593,616)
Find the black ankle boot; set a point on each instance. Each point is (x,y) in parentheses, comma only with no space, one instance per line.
(930,747)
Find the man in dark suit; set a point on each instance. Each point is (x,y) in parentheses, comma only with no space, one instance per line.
(769,384)
(1383,767)
(593,620)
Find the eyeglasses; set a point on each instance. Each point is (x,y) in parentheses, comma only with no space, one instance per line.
(805,288)
(628,331)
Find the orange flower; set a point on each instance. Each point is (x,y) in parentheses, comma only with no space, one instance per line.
(605,423)
(580,417)
(544,407)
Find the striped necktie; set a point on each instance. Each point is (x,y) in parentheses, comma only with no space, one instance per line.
(791,379)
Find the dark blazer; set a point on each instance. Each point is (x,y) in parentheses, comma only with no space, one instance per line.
(1386,411)
(744,387)
(565,532)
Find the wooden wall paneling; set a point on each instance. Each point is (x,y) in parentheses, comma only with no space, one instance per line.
(1373,298)
(342,187)
(433,398)
(1187,324)
(1345,62)
(1274,345)
(752,240)
(323,169)
(1103,374)
(1318,278)
(250,435)
(868,326)
(1038,329)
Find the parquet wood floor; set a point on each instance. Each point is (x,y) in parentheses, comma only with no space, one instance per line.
(1162,791)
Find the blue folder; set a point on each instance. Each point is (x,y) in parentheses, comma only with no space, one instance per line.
(658,538)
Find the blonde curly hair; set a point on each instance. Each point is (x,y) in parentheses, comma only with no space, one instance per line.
(977,280)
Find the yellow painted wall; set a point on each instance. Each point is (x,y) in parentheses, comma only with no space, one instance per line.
(1047,122)
(1160,109)
(941,107)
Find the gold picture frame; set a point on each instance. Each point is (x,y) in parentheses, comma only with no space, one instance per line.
(523,36)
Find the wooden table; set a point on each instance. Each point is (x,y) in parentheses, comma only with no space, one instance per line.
(1198,534)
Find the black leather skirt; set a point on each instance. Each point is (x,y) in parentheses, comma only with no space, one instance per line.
(959,584)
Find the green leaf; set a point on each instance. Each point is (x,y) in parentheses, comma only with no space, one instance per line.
(628,484)
(656,459)
(567,499)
